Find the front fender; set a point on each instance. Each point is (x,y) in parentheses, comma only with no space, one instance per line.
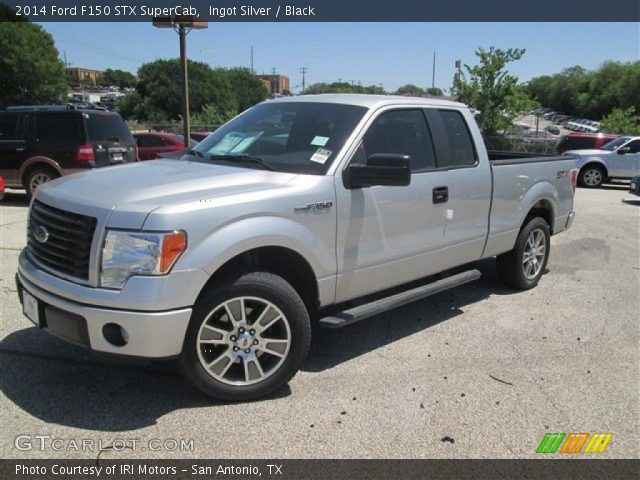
(247,234)
(582,161)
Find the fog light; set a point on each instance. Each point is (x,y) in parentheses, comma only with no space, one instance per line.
(115,334)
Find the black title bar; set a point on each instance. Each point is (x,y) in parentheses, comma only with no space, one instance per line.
(331,10)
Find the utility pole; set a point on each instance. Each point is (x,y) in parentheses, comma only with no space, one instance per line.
(274,81)
(303,70)
(252,69)
(182,24)
(433,75)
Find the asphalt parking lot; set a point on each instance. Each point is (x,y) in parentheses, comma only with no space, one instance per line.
(481,371)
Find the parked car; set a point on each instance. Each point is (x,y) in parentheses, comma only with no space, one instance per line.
(617,160)
(634,188)
(41,143)
(553,129)
(224,259)
(152,144)
(583,141)
(1,188)
(199,136)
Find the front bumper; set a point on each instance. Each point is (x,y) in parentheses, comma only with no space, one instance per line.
(157,334)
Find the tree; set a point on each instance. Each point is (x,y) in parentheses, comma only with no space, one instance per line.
(117,78)
(410,90)
(491,89)
(343,87)
(622,122)
(31,72)
(160,92)
(434,91)
(591,94)
(246,87)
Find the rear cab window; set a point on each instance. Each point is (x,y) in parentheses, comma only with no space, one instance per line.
(452,139)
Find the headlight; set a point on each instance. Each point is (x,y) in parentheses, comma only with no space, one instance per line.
(138,253)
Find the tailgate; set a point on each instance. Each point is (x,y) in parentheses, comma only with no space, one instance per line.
(110,137)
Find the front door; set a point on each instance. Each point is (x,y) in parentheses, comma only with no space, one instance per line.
(626,164)
(389,235)
(12,146)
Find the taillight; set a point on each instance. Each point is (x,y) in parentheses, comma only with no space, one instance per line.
(574,179)
(85,153)
(1,184)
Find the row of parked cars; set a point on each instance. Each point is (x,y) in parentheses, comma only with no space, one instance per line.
(40,143)
(569,122)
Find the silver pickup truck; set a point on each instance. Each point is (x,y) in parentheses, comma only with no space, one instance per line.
(300,210)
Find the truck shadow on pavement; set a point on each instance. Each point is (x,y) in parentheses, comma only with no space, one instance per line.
(62,384)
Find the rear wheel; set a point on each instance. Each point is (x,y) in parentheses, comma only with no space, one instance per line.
(247,338)
(592,176)
(38,176)
(523,266)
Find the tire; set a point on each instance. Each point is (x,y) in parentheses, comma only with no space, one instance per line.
(514,269)
(592,176)
(36,177)
(259,367)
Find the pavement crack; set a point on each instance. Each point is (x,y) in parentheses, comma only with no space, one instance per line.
(501,381)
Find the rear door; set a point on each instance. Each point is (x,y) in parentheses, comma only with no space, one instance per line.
(110,137)
(467,184)
(12,146)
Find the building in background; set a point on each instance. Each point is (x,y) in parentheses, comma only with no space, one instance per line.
(82,76)
(276,83)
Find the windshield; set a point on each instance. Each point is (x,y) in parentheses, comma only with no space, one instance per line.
(613,144)
(294,137)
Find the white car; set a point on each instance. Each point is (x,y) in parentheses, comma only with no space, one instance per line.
(619,159)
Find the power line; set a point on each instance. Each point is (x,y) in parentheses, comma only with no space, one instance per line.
(81,44)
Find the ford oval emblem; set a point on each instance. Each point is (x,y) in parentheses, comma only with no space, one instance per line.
(41,234)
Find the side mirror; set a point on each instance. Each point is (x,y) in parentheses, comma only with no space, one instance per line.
(381,169)
(623,150)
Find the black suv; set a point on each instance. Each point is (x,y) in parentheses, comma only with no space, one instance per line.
(40,143)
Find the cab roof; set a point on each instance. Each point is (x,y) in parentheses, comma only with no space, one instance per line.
(369,101)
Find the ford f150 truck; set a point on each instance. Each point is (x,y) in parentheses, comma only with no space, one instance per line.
(303,209)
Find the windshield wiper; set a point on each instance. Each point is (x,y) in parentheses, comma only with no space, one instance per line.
(195,152)
(243,159)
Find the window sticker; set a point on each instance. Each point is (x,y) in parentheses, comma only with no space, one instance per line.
(321,156)
(319,141)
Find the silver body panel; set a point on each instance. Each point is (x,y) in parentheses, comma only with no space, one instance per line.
(369,240)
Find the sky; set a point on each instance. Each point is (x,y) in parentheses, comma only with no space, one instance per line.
(371,53)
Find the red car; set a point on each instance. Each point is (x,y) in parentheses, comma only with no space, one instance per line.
(199,136)
(583,141)
(152,144)
(1,188)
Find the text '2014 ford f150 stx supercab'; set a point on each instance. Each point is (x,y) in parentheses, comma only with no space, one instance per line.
(301,209)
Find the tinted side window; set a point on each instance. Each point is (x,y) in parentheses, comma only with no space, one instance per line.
(634,147)
(461,151)
(577,143)
(8,127)
(149,141)
(402,132)
(55,127)
(107,126)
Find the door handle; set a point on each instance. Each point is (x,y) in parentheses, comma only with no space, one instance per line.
(20,149)
(440,194)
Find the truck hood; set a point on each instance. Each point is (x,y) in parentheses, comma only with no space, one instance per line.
(127,194)
(583,153)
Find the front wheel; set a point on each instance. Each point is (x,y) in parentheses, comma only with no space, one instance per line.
(247,338)
(523,266)
(592,176)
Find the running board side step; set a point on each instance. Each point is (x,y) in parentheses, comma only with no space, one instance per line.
(362,312)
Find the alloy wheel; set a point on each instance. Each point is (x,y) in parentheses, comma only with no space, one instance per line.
(36,180)
(592,177)
(534,254)
(243,341)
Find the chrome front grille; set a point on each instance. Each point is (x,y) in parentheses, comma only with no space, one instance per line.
(60,240)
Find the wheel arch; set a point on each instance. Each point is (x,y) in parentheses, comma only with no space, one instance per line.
(282,261)
(35,162)
(595,162)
